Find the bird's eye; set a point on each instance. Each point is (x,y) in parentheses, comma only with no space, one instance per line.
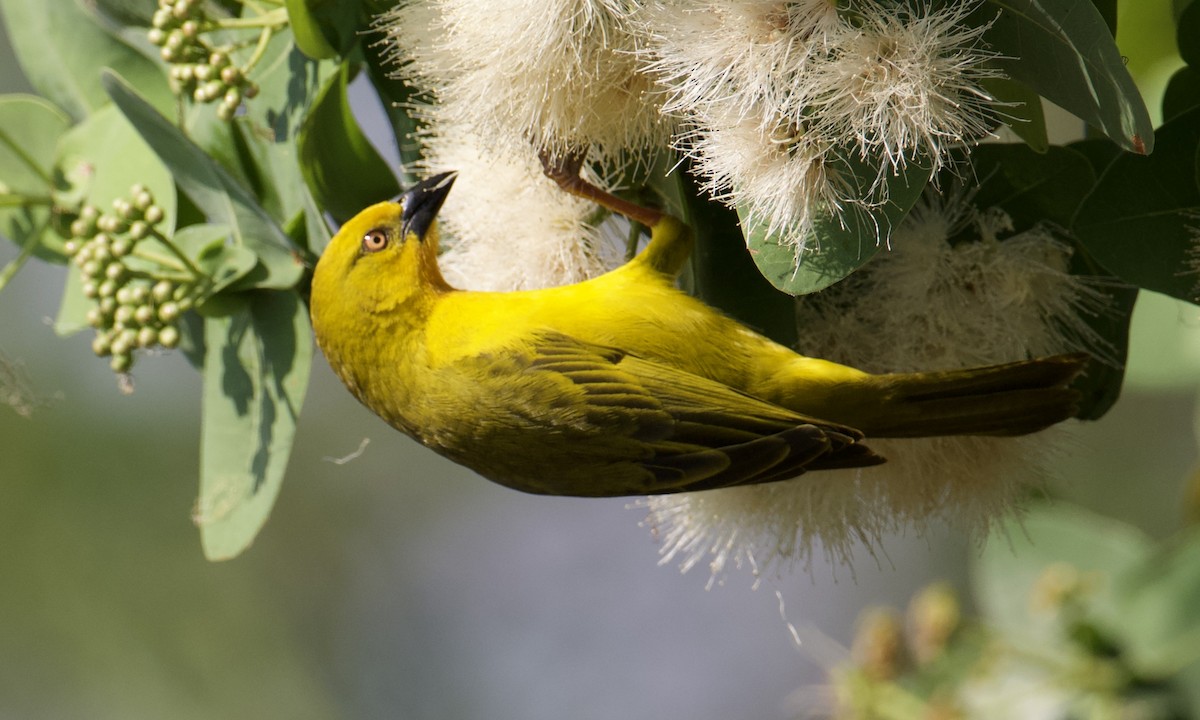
(374,241)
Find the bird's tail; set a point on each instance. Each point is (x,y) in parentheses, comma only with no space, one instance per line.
(1010,399)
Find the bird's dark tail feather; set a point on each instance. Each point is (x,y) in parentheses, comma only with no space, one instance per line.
(1010,399)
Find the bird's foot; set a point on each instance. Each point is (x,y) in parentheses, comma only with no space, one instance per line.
(565,169)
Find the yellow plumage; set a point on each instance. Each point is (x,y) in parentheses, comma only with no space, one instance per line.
(621,384)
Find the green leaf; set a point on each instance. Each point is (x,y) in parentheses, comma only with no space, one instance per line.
(1032,187)
(316,229)
(209,248)
(223,200)
(1182,93)
(325,28)
(837,246)
(61,49)
(1142,219)
(307,30)
(30,129)
(1108,11)
(340,167)
(102,157)
(256,369)
(1015,560)
(72,309)
(1187,32)
(1020,107)
(1064,50)
(1160,608)
(1100,153)
(266,136)
(398,98)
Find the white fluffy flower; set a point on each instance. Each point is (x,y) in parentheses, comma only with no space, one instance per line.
(904,86)
(924,305)
(557,74)
(780,174)
(507,226)
(773,90)
(735,55)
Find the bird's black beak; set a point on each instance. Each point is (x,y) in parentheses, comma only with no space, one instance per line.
(422,202)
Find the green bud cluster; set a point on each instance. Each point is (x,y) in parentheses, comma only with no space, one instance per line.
(132,308)
(198,70)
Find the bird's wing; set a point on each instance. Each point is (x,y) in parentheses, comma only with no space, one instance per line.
(596,421)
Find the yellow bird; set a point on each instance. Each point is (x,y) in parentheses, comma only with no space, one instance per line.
(623,384)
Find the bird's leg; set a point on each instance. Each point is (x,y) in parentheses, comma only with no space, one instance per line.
(564,169)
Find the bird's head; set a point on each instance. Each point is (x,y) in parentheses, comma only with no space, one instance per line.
(382,261)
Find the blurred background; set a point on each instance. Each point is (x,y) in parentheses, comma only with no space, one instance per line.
(401,585)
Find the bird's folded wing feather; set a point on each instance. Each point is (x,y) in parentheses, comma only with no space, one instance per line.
(651,428)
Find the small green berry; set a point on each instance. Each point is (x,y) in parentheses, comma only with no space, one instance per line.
(156,36)
(138,230)
(82,255)
(114,271)
(231,75)
(250,90)
(185,304)
(120,363)
(190,29)
(101,344)
(125,295)
(168,337)
(226,112)
(124,314)
(108,223)
(94,317)
(138,294)
(101,253)
(183,73)
(161,292)
(107,289)
(71,247)
(154,214)
(123,208)
(168,312)
(120,247)
(91,289)
(80,228)
(146,337)
(204,72)
(161,19)
(175,41)
(107,305)
(90,269)
(142,198)
(144,314)
(212,90)
(119,344)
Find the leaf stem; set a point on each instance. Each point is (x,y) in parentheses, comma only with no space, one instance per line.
(31,242)
(21,200)
(181,277)
(269,20)
(187,262)
(264,38)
